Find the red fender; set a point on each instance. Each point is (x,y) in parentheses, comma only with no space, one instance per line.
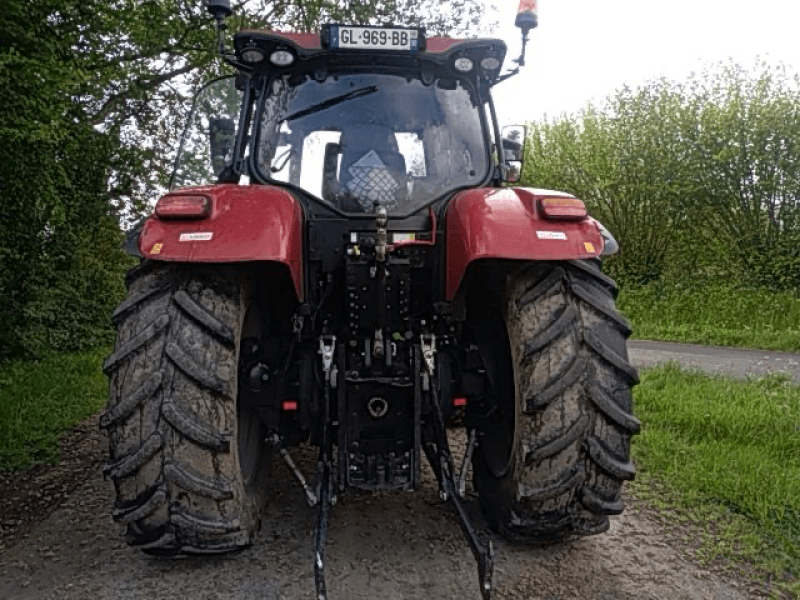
(506,223)
(246,223)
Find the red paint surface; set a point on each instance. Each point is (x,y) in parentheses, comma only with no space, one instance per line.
(492,223)
(437,44)
(248,223)
(304,40)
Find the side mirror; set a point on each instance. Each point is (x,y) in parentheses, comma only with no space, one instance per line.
(514,171)
(513,137)
(221,133)
(512,150)
(513,143)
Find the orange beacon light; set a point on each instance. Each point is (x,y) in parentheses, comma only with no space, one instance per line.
(527,15)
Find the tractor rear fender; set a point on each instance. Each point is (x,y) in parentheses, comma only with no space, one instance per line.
(510,224)
(244,224)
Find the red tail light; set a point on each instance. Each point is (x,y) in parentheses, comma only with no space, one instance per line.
(183,207)
(289,405)
(459,401)
(565,209)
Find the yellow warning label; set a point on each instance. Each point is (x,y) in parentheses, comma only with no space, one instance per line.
(156,249)
(403,237)
(589,246)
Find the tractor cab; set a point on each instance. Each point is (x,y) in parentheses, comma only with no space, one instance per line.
(353,119)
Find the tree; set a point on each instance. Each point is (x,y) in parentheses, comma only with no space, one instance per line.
(53,199)
(744,153)
(93,98)
(693,178)
(625,162)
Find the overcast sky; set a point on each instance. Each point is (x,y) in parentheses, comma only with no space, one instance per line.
(585,49)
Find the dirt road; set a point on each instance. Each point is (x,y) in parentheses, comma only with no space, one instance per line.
(57,541)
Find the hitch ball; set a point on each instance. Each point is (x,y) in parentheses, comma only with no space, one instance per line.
(377,407)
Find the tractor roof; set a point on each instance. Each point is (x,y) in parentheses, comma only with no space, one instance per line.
(311,41)
(310,54)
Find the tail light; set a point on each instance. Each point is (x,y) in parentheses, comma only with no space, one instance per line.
(181,206)
(564,209)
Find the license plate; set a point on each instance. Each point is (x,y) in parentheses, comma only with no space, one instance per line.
(371,38)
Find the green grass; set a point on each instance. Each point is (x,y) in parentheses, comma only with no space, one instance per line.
(41,400)
(716,314)
(725,455)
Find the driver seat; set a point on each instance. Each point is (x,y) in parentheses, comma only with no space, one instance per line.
(373,171)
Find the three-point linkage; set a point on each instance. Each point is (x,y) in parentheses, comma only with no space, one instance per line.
(327,348)
(451,482)
(441,460)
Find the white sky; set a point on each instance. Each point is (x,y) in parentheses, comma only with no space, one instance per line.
(585,49)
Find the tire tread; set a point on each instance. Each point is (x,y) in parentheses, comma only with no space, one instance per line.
(178,485)
(573,383)
(214,488)
(125,407)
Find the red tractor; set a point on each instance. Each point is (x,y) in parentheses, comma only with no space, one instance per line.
(360,275)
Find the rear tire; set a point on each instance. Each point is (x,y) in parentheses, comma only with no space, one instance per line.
(185,461)
(552,461)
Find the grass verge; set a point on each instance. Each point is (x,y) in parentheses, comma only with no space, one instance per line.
(725,455)
(41,400)
(716,314)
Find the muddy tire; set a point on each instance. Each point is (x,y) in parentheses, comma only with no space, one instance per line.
(186,464)
(554,462)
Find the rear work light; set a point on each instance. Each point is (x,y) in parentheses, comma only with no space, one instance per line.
(183,207)
(281,58)
(565,209)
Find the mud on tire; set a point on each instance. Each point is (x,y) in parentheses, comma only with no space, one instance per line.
(172,416)
(571,418)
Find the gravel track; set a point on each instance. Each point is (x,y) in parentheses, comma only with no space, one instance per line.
(736,362)
(58,541)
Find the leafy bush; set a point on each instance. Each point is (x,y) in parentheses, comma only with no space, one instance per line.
(723,314)
(694,178)
(71,305)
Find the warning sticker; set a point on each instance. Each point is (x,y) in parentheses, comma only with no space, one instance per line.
(196,237)
(156,249)
(551,235)
(589,246)
(404,237)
